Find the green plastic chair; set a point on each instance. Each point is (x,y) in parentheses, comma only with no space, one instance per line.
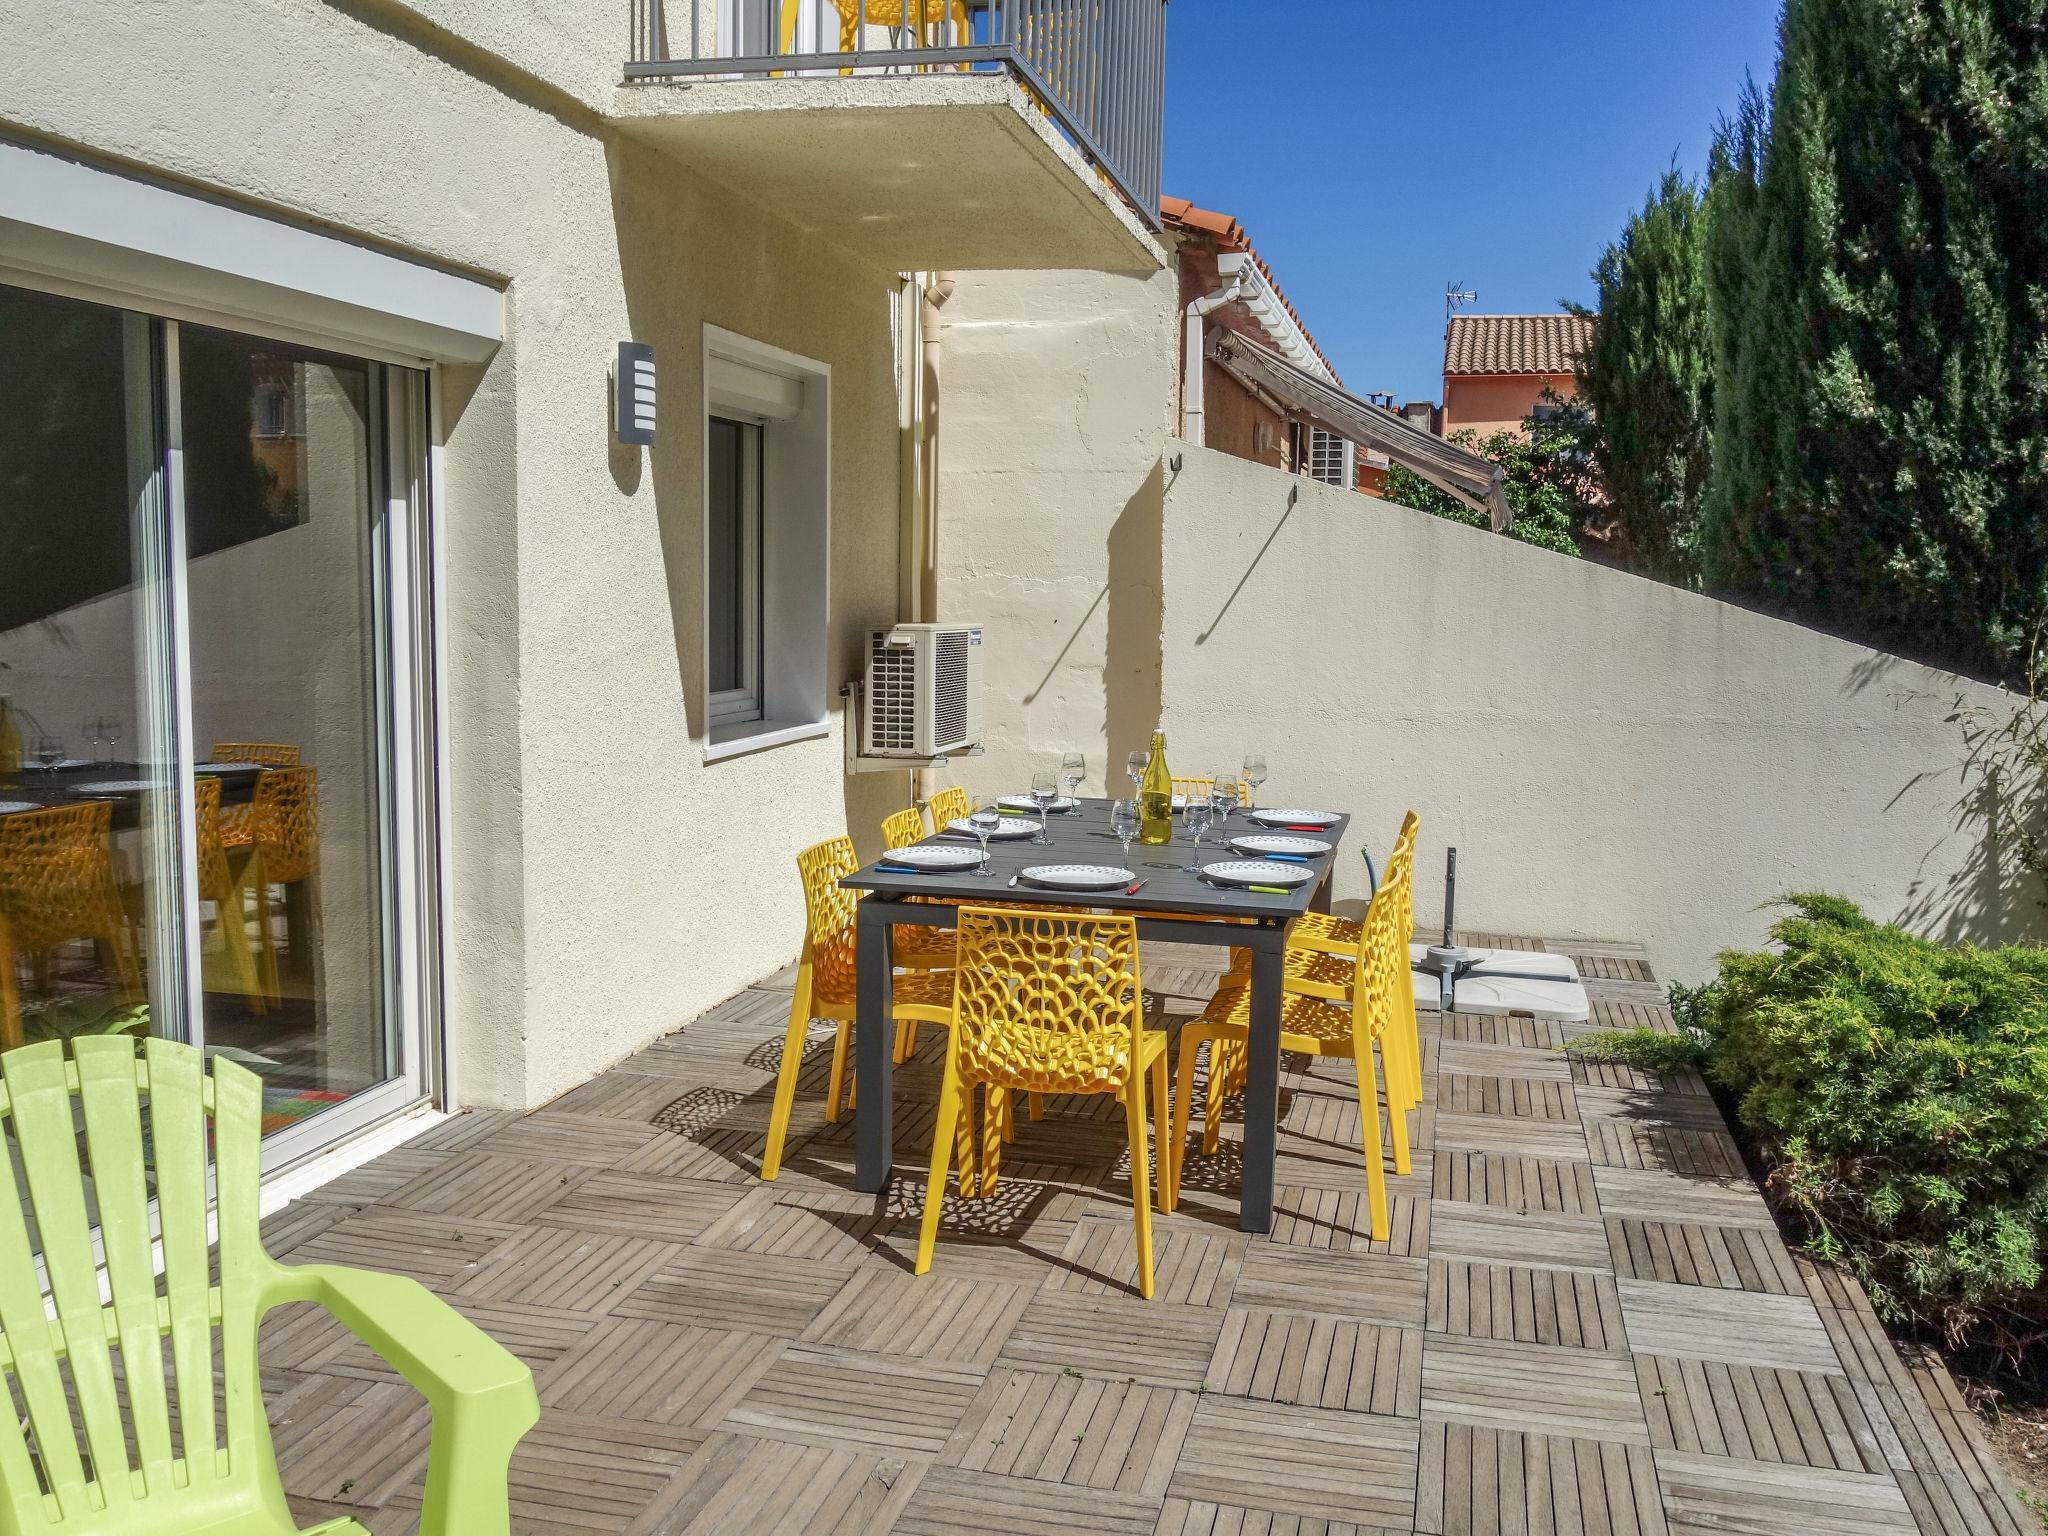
(219,1475)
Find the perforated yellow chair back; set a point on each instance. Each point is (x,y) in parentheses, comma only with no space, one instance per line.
(57,877)
(271,754)
(948,805)
(1046,1001)
(902,828)
(880,13)
(284,819)
(828,916)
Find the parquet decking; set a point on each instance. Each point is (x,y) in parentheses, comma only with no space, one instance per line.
(1584,1319)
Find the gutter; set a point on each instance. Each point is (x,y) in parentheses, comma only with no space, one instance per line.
(1231,266)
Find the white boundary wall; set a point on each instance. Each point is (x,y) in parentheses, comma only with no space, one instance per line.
(1612,757)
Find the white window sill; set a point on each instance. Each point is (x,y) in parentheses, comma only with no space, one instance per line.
(739,737)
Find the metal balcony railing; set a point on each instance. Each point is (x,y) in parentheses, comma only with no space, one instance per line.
(1097,67)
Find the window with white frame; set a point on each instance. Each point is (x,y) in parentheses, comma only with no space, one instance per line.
(1329,457)
(767,437)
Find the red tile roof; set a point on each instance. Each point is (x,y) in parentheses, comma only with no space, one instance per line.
(1229,235)
(1515,343)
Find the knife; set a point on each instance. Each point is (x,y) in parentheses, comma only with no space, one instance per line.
(1133,890)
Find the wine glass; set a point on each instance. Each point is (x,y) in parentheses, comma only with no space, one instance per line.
(113,740)
(1073,773)
(91,731)
(1196,816)
(49,752)
(1135,765)
(983,820)
(1123,821)
(1223,791)
(1254,775)
(1045,788)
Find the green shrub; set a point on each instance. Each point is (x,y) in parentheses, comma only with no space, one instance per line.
(1896,1091)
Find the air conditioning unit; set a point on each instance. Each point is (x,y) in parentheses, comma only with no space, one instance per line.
(923,690)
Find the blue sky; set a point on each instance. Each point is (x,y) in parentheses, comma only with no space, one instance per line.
(1376,149)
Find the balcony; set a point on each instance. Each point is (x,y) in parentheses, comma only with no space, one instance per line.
(984,135)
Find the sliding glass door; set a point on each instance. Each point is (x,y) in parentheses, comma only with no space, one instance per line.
(207,652)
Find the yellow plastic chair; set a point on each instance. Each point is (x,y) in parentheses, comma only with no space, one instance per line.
(1315,1026)
(1321,950)
(825,976)
(235,821)
(134,1405)
(880,13)
(56,887)
(283,849)
(949,805)
(218,885)
(902,828)
(1050,1002)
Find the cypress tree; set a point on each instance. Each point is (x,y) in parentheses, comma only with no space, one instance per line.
(1879,280)
(1647,376)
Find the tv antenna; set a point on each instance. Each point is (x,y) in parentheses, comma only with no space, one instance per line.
(1456,298)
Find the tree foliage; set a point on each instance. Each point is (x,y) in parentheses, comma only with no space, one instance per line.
(1540,474)
(1647,379)
(1878,260)
(1896,1092)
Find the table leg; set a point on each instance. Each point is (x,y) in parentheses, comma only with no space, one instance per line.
(1262,1080)
(874,1127)
(1320,902)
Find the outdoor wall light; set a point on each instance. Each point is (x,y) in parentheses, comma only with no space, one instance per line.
(633,393)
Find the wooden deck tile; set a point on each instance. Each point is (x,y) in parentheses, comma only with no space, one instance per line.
(1692,1253)
(438,1249)
(1314,1462)
(1526,1098)
(959,1318)
(538,1335)
(486,1186)
(1502,1030)
(746,1292)
(577,1476)
(1342,1220)
(1738,1327)
(1153,1342)
(798,1226)
(661,1373)
(349,1441)
(1319,1361)
(1492,1233)
(377,1179)
(588,1141)
(1502,1385)
(1676,1149)
(1199,1517)
(1514,1182)
(1651,1105)
(1087,1432)
(1483,1058)
(1190,1267)
(738,1483)
(1757,1413)
(948,1501)
(1562,1141)
(638,1205)
(1368,1287)
(1482,1482)
(559,1267)
(1715,1495)
(1659,1195)
(877,1403)
(1574,1308)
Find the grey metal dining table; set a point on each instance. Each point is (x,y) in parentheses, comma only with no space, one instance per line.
(1180,908)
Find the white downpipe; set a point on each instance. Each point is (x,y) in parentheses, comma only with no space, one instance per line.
(1230,266)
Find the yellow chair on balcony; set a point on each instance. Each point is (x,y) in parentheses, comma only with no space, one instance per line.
(234,819)
(881,13)
(949,805)
(825,976)
(218,885)
(283,850)
(1050,1002)
(56,887)
(1317,1026)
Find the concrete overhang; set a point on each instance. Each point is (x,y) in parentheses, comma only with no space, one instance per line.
(951,170)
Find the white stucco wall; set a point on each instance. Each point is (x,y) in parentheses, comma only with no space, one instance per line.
(1057,395)
(1612,757)
(599,894)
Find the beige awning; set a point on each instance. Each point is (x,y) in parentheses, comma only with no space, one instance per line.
(1472,479)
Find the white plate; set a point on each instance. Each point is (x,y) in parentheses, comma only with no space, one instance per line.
(62,765)
(227,767)
(935,856)
(1257,872)
(9,807)
(1010,828)
(1278,842)
(1026,803)
(1292,816)
(1078,877)
(115,787)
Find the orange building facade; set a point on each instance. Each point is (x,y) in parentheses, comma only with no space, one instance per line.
(1497,368)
